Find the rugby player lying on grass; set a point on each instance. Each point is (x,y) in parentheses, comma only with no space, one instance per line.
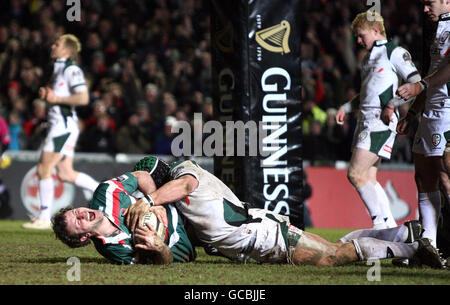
(221,220)
(103,223)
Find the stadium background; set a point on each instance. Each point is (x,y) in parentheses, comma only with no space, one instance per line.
(148,64)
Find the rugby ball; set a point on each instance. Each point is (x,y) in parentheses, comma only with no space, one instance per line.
(151,219)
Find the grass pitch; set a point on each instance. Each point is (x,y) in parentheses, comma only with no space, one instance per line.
(37,258)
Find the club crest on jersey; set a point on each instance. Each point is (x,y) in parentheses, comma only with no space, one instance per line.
(444,37)
(362,136)
(436,139)
(406,56)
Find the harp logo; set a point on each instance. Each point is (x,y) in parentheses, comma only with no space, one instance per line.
(275,38)
(224,39)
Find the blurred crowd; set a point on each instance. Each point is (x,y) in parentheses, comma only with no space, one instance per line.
(148,64)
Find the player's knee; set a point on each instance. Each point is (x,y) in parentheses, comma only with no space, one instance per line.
(447,158)
(350,176)
(44,171)
(65,175)
(427,182)
(447,165)
(445,181)
(417,178)
(355,177)
(342,254)
(62,176)
(328,261)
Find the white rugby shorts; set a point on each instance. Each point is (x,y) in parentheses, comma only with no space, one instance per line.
(432,133)
(374,136)
(61,138)
(272,240)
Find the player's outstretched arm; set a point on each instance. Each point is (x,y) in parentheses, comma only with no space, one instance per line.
(416,107)
(347,108)
(340,116)
(410,90)
(440,77)
(174,190)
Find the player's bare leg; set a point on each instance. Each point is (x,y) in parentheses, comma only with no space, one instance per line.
(409,232)
(383,200)
(360,163)
(67,174)
(445,180)
(47,163)
(447,157)
(65,170)
(362,175)
(45,167)
(427,176)
(445,172)
(314,250)
(64,165)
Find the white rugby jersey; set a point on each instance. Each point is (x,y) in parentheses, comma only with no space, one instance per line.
(67,79)
(212,208)
(383,70)
(439,55)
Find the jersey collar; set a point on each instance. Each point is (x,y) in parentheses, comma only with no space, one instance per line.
(378,43)
(118,239)
(444,17)
(62,60)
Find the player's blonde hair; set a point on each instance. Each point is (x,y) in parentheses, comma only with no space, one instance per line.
(368,20)
(71,42)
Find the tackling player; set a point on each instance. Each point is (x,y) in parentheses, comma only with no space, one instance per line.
(68,90)
(104,223)
(384,67)
(433,132)
(221,220)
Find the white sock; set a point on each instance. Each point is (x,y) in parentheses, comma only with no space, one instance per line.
(372,248)
(86,182)
(369,196)
(430,208)
(385,206)
(397,234)
(46,195)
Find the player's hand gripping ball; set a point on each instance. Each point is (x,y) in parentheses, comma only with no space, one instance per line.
(160,229)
